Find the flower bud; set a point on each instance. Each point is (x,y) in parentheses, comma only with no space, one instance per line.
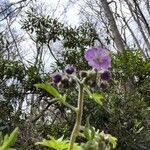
(69,69)
(106,75)
(65,82)
(91,82)
(83,74)
(56,78)
(92,73)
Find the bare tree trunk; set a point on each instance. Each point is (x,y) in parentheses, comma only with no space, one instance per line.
(139,25)
(134,37)
(132,33)
(113,26)
(142,16)
(128,26)
(148,6)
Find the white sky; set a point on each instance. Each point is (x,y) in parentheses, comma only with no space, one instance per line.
(58,6)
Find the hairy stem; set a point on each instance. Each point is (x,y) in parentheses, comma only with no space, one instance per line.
(79,112)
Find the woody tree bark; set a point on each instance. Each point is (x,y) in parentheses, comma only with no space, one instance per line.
(115,32)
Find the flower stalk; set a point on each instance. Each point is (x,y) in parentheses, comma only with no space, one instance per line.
(79,112)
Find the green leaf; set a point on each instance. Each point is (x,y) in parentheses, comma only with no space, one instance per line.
(97,97)
(58,144)
(113,141)
(50,89)
(89,131)
(9,140)
(110,138)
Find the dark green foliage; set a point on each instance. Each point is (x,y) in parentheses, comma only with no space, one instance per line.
(128,100)
(44,28)
(74,39)
(75,42)
(47,29)
(79,37)
(17,83)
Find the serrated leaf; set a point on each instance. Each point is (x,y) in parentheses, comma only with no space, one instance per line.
(58,144)
(89,131)
(9,140)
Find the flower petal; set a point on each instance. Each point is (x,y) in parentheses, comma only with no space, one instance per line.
(98,58)
(90,54)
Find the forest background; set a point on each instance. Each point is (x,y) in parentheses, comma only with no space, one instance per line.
(39,38)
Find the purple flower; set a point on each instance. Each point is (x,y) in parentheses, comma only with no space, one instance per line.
(98,58)
(69,69)
(57,78)
(106,75)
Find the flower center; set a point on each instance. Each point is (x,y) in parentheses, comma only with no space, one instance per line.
(98,59)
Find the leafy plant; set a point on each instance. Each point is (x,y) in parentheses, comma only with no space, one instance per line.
(8,140)
(58,144)
(100,60)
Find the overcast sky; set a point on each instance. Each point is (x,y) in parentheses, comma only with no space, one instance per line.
(58,7)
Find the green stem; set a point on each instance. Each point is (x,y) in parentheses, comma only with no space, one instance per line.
(69,106)
(79,112)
